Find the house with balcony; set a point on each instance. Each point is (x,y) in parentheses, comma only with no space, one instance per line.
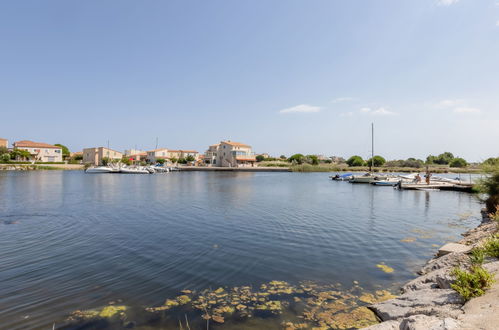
(39,151)
(153,155)
(230,154)
(95,156)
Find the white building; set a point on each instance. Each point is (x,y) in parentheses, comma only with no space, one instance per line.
(42,152)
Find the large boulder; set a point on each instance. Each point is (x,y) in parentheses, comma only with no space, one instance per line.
(450,260)
(431,302)
(424,322)
(440,278)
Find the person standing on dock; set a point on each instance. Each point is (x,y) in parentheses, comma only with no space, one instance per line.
(428,176)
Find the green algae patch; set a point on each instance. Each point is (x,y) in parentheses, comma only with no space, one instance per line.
(385,268)
(110,311)
(360,317)
(183,299)
(408,239)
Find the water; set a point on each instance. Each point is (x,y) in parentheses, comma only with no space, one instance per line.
(70,240)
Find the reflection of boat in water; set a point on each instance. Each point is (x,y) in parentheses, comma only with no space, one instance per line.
(102,169)
(367,178)
(342,177)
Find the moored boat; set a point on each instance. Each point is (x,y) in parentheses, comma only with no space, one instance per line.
(101,169)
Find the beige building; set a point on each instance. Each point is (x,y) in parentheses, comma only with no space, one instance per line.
(230,154)
(42,152)
(4,143)
(95,155)
(154,155)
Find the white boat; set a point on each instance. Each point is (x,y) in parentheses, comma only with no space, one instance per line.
(390,182)
(367,178)
(134,170)
(102,169)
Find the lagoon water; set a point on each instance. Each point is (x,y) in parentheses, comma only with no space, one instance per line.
(70,240)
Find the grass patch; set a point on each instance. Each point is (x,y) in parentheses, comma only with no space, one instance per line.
(472,283)
(491,247)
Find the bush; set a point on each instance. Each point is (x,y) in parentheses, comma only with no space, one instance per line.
(160,161)
(458,162)
(477,256)
(490,186)
(355,161)
(471,283)
(491,247)
(297,158)
(312,159)
(5,157)
(259,158)
(378,161)
(491,161)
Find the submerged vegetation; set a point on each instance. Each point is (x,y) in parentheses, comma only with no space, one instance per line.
(302,306)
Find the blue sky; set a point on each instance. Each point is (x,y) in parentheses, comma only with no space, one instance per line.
(284,76)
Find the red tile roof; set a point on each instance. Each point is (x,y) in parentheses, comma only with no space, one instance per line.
(31,144)
(235,144)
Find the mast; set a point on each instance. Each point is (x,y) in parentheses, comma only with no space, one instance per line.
(372,146)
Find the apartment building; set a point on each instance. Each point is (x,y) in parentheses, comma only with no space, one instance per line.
(95,155)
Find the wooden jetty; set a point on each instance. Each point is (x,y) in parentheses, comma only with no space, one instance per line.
(464,187)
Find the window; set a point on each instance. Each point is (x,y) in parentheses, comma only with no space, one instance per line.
(57,151)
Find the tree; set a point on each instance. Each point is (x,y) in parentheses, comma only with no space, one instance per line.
(160,161)
(377,160)
(182,161)
(259,158)
(444,158)
(430,159)
(173,160)
(458,162)
(491,161)
(4,150)
(65,150)
(125,160)
(5,157)
(282,157)
(297,158)
(20,154)
(105,161)
(355,161)
(190,158)
(312,159)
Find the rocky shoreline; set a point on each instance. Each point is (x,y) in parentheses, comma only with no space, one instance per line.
(428,302)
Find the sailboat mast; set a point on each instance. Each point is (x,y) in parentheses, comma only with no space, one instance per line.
(372,146)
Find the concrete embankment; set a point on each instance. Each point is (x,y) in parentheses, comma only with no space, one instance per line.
(428,302)
(30,167)
(235,169)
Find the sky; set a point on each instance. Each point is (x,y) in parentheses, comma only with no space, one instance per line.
(284,76)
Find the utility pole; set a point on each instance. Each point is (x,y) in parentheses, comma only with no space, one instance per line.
(156,143)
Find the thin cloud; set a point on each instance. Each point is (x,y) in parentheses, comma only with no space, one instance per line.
(449,103)
(377,112)
(467,110)
(347,114)
(342,99)
(301,108)
(446,2)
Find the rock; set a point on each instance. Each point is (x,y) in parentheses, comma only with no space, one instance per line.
(450,260)
(453,247)
(476,236)
(423,322)
(427,281)
(438,302)
(388,325)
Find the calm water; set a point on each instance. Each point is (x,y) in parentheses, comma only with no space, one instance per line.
(70,240)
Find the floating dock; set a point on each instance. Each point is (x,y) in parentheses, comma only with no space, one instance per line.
(464,187)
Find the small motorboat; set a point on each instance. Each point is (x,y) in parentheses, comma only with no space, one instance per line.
(390,182)
(101,169)
(342,177)
(134,170)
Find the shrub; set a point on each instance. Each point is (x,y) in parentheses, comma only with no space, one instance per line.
(491,161)
(458,162)
(312,159)
(491,247)
(477,256)
(490,186)
(355,161)
(378,161)
(471,283)
(160,161)
(259,158)
(297,158)
(5,157)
